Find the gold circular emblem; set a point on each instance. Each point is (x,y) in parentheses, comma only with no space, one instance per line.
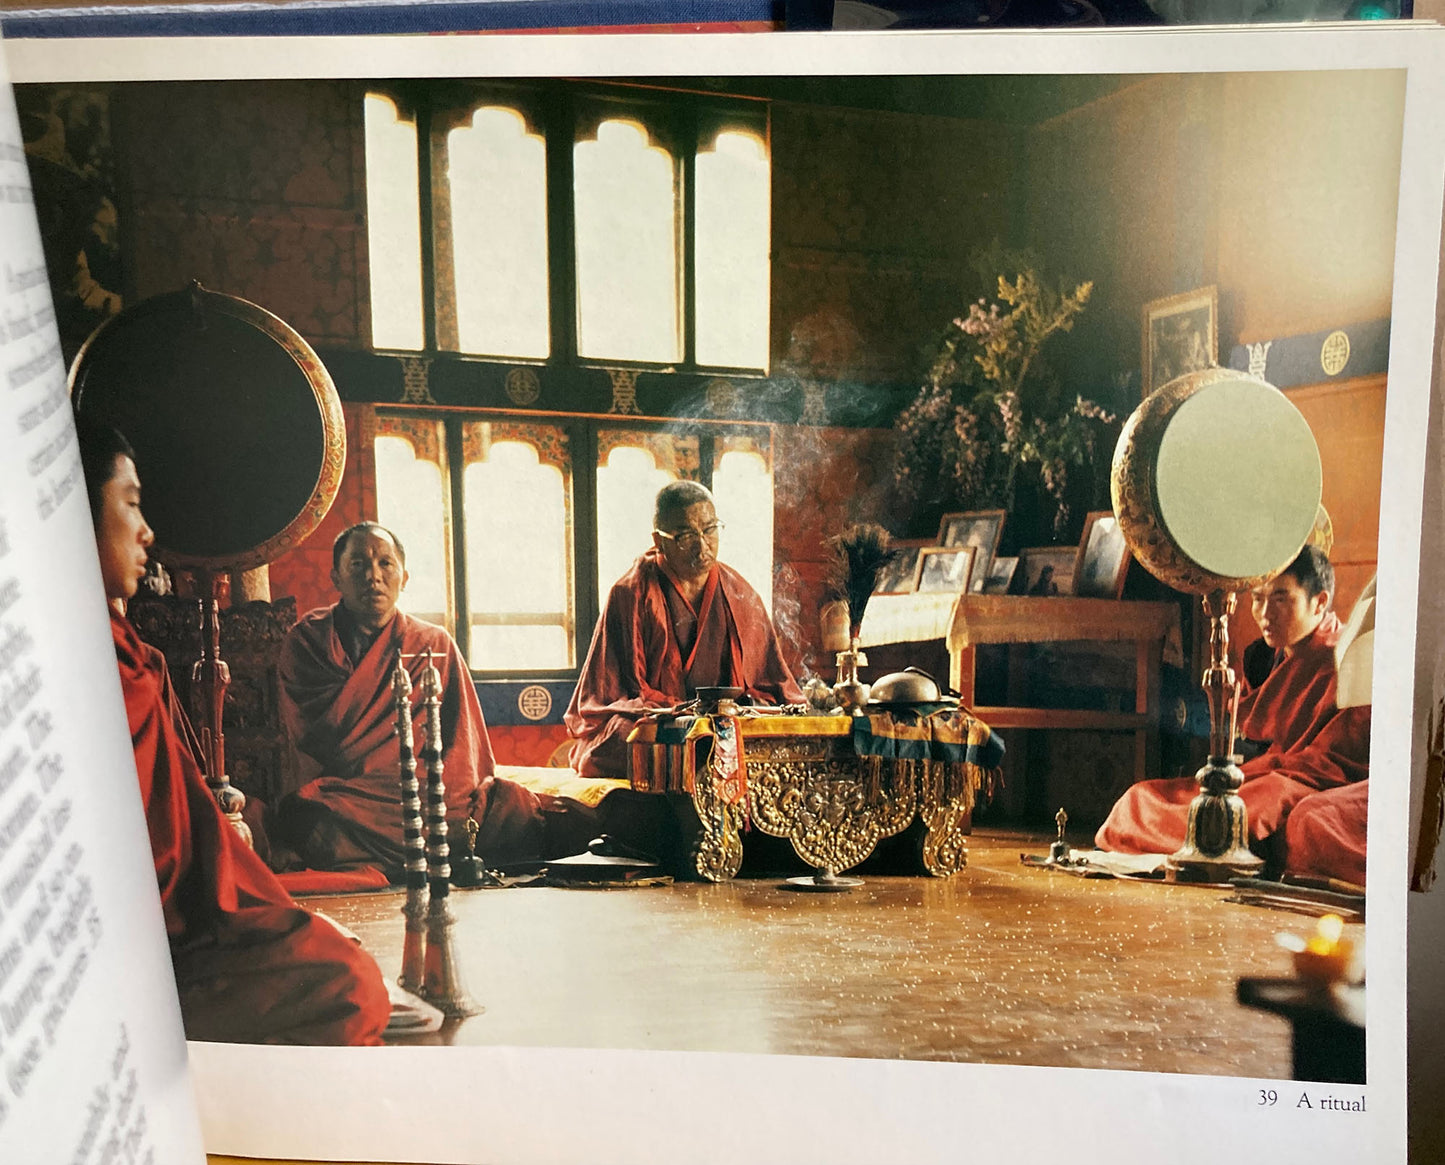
(1335,354)
(534,702)
(523,386)
(722,397)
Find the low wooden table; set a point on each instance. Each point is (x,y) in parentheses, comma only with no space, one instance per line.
(804,783)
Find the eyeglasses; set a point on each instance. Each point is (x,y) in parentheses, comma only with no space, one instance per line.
(690,540)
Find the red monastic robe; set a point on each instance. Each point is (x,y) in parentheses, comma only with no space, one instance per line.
(1311,745)
(342,719)
(1325,833)
(251,966)
(639,662)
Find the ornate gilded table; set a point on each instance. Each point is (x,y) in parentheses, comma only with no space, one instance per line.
(805,782)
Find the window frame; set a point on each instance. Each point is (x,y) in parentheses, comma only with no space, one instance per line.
(563,112)
(582,437)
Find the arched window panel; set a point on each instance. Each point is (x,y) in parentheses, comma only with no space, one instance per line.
(517,489)
(628,224)
(411,501)
(732,230)
(393,226)
(631,467)
(497,178)
(742,483)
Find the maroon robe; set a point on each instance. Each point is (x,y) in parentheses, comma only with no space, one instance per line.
(1289,712)
(1325,834)
(342,719)
(653,649)
(251,966)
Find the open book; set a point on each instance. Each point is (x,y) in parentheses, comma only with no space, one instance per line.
(1286,183)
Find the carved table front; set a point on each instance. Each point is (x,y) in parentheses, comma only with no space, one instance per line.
(804,783)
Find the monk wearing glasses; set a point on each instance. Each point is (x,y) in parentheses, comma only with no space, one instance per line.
(677,621)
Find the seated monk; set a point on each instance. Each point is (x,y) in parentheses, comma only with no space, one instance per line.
(339,710)
(1295,737)
(677,621)
(251,966)
(1325,833)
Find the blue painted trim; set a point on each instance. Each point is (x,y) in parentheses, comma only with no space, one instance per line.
(1295,360)
(372,17)
(499,700)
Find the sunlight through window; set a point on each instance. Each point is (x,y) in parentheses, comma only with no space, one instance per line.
(732,240)
(410,502)
(393,226)
(498,180)
(627,485)
(743,489)
(519,565)
(627,246)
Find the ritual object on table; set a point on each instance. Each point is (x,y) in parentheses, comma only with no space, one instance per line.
(1216,484)
(860,554)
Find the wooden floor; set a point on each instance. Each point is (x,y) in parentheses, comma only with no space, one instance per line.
(1000,964)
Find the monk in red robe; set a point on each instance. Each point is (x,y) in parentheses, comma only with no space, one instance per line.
(251,966)
(1296,739)
(677,621)
(1325,834)
(339,709)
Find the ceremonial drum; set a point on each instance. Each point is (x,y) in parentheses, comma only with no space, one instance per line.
(1216,485)
(1216,481)
(236,424)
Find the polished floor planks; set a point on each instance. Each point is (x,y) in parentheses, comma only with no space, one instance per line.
(1001,964)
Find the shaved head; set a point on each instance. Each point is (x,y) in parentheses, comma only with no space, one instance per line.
(674,500)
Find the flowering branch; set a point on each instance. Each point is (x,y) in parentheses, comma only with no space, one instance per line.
(984,411)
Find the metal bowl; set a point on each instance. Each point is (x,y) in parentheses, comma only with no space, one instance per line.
(910,686)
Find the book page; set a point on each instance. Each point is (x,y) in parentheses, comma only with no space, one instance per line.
(1286,183)
(92,1059)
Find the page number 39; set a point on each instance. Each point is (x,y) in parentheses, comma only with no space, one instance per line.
(1268,1096)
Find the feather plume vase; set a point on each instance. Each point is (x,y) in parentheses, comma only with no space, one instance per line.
(859,553)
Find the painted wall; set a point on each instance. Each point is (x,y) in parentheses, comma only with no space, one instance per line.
(874,217)
(255,190)
(1279,189)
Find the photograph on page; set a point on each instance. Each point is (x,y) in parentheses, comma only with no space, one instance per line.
(530,430)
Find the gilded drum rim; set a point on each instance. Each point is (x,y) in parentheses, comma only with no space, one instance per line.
(1134,489)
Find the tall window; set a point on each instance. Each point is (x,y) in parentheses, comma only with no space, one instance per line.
(497,182)
(559,221)
(411,483)
(521,568)
(517,486)
(393,226)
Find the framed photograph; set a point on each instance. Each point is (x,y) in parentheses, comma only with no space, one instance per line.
(945,569)
(980,529)
(1103,560)
(1048,570)
(1000,575)
(1180,334)
(900,577)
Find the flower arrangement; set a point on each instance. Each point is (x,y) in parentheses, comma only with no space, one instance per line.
(989,412)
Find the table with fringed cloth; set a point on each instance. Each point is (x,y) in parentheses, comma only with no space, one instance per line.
(834,786)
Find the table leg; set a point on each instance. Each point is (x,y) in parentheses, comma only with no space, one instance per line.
(717,854)
(945,845)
